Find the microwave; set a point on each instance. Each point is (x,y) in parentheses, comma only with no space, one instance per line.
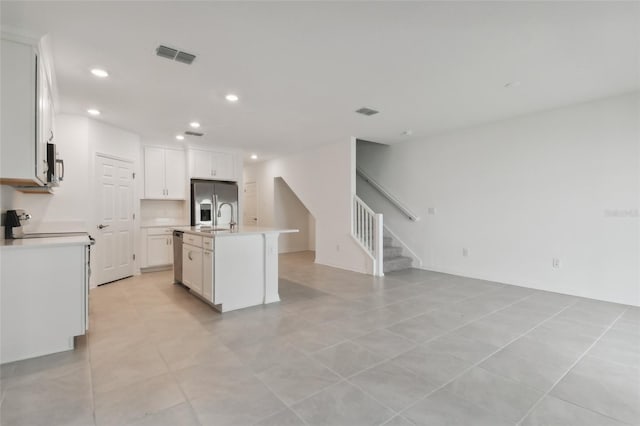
(55,166)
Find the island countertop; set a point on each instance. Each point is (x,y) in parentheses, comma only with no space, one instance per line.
(238,231)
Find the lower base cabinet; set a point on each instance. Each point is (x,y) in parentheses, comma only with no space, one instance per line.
(192,267)
(158,245)
(44,301)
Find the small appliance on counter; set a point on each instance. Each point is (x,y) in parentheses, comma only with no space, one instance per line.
(13,224)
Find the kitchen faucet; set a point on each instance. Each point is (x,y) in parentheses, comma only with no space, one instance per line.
(232,224)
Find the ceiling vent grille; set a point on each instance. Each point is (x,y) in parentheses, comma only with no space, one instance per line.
(185,58)
(366,111)
(190,133)
(175,55)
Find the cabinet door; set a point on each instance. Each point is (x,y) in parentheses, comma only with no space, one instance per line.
(158,250)
(192,267)
(201,164)
(175,174)
(154,182)
(222,165)
(208,283)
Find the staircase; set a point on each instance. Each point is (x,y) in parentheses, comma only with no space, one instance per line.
(393,258)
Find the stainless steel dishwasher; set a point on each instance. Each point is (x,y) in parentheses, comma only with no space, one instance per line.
(177,256)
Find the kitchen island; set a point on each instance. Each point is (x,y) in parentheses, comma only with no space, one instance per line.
(231,269)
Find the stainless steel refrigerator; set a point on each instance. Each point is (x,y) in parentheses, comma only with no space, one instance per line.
(214,203)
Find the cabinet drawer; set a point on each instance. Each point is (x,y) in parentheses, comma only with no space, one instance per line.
(207,243)
(194,240)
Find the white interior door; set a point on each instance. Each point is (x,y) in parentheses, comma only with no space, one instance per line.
(250,212)
(114,220)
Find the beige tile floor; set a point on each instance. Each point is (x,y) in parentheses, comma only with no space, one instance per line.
(415,347)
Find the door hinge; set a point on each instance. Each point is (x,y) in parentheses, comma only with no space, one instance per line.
(134,256)
(133,175)
(134,215)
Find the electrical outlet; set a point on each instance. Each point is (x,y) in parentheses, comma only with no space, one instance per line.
(431,210)
(555,263)
(465,252)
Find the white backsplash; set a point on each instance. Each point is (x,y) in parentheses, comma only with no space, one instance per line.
(164,212)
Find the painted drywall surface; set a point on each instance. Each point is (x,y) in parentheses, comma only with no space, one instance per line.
(289,212)
(563,184)
(320,178)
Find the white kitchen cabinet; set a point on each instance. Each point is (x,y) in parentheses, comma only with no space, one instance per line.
(212,165)
(159,250)
(208,276)
(44,300)
(165,176)
(27,113)
(192,267)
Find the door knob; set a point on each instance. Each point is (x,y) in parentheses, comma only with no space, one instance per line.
(101,226)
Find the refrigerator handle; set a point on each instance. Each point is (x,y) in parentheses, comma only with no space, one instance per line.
(214,213)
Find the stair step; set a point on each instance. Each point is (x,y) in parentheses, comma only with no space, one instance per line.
(387,241)
(397,263)
(390,252)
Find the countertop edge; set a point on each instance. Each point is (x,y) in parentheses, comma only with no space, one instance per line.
(238,233)
(44,242)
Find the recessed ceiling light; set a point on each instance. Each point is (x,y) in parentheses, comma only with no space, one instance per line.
(93,111)
(512,84)
(231,97)
(254,157)
(407,133)
(194,124)
(99,73)
(180,137)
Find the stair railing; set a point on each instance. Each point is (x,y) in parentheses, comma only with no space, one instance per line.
(382,190)
(367,228)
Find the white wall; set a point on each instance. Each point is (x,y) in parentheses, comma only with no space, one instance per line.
(78,141)
(322,179)
(563,183)
(289,212)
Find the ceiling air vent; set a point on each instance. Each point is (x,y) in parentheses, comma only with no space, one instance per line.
(190,133)
(366,111)
(185,58)
(175,55)
(166,52)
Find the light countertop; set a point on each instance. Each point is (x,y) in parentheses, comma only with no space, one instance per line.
(45,242)
(238,231)
(162,223)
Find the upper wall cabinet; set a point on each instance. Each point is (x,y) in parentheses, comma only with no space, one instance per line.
(212,165)
(27,114)
(165,175)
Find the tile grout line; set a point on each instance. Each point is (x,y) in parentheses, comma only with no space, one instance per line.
(571,367)
(385,328)
(487,357)
(399,413)
(415,345)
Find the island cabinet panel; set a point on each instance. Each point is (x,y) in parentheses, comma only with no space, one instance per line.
(208,276)
(239,271)
(192,267)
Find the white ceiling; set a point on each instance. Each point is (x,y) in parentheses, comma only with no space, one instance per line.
(302,68)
